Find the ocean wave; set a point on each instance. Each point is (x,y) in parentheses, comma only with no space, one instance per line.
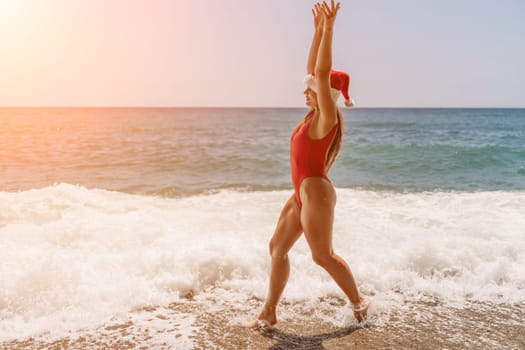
(74,257)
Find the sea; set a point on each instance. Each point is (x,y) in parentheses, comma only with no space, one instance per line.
(106,212)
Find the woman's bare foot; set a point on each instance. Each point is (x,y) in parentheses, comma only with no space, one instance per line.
(267,318)
(361,309)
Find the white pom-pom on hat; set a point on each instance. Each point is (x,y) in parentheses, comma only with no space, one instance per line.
(350,102)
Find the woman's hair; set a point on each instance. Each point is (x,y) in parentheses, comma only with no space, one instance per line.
(337,143)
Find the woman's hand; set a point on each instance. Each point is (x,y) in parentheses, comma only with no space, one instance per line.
(318,17)
(329,13)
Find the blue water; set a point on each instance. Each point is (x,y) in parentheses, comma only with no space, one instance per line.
(429,149)
(180,151)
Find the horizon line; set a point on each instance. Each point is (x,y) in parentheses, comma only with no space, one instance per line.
(255,107)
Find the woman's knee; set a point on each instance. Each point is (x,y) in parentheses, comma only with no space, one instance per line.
(322,259)
(276,251)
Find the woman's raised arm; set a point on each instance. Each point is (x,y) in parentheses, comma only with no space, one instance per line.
(323,65)
(316,41)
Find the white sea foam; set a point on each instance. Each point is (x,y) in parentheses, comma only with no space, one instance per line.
(74,258)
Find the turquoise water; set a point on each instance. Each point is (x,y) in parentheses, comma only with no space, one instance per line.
(429,149)
(179,151)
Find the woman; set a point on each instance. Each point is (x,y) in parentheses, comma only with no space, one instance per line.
(315,143)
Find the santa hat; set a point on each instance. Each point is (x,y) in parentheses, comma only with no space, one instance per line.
(339,84)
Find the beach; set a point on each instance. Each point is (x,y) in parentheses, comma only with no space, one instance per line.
(149,228)
(423,327)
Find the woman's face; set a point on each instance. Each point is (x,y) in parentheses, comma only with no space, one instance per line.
(311,98)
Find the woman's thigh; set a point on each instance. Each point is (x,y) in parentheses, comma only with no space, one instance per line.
(317,214)
(288,229)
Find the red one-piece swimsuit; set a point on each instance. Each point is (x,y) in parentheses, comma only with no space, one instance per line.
(308,156)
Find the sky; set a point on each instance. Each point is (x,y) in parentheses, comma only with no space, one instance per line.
(252,53)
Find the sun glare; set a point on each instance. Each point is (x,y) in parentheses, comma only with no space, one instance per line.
(11,13)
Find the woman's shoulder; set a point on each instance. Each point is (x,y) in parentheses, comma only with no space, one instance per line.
(309,116)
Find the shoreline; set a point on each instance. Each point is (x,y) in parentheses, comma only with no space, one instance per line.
(420,326)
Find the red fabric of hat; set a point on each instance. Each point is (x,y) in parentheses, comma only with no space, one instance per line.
(340,81)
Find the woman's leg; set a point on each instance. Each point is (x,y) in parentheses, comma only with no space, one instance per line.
(317,217)
(287,232)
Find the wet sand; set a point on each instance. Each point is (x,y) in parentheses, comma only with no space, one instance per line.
(423,326)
